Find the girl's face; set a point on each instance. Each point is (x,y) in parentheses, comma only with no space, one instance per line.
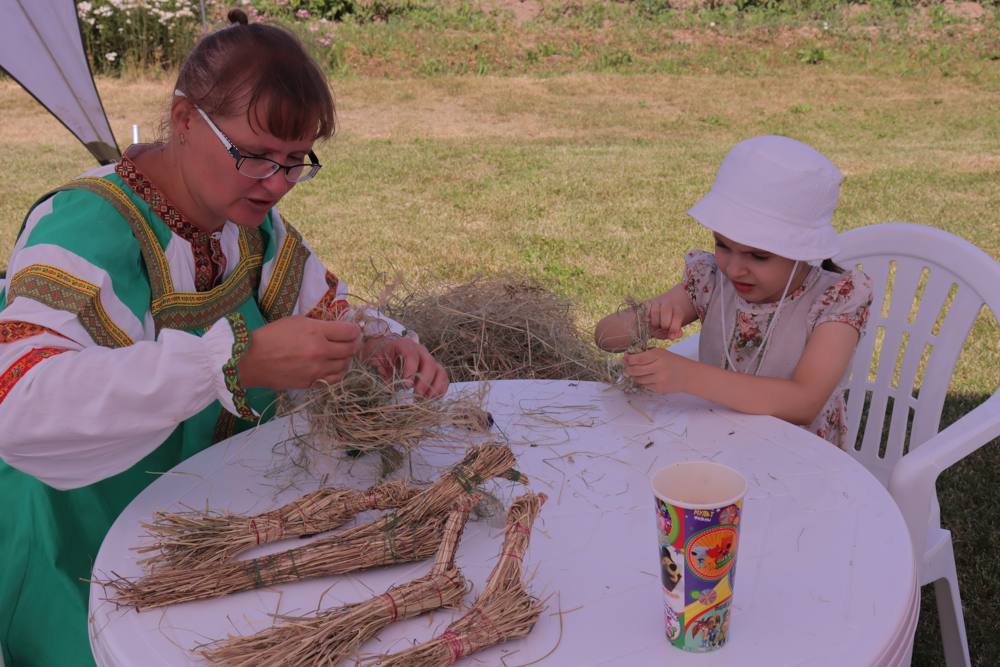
(218,190)
(758,276)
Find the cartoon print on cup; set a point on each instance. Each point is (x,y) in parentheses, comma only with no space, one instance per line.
(670,571)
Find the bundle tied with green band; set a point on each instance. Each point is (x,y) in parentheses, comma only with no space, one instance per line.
(503,611)
(333,635)
(199,538)
(411,533)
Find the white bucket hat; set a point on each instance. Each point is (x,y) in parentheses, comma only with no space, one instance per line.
(775,194)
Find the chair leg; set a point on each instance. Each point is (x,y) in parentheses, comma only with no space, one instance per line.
(949,606)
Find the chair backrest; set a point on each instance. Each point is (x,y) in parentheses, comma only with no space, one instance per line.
(929,287)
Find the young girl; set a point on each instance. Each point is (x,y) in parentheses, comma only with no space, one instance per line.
(153,309)
(780,321)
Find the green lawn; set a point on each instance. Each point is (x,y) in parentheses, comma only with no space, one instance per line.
(582,178)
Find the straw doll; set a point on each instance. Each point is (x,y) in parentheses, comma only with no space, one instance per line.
(153,308)
(780,321)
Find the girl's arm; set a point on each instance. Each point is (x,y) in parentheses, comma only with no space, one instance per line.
(797,400)
(668,314)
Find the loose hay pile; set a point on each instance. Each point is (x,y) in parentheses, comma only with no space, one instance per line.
(412,533)
(503,611)
(198,538)
(335,634)
(364,413)
(499,328)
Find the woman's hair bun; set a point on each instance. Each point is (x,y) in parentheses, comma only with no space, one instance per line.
(237,15)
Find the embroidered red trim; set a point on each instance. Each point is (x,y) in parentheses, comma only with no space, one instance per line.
(209,260)
(329,306)
(20,367)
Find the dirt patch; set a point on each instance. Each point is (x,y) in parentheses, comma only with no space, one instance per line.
(852,11)
(965,10)
(522,10)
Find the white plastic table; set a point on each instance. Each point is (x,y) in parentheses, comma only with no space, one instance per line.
(824,575)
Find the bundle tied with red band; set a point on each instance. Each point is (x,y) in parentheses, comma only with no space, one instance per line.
(411,533)
(200,538)
(503,611)
(335,634)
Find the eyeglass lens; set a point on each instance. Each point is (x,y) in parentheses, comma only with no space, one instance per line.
(260,168)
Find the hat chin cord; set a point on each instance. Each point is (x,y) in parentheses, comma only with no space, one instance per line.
(770,326)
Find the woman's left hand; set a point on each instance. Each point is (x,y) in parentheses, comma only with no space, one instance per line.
(412,362)
(657,370)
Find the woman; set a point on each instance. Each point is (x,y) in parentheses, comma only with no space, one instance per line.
(152,309)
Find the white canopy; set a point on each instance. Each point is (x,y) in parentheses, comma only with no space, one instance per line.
(41,47)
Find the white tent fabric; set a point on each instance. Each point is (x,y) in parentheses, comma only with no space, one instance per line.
(41,47)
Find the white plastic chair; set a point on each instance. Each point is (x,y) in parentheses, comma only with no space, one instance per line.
(932,286)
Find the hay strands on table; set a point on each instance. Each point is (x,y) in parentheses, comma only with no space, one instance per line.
(366,413)
(410,534)
(503,611)
(497,328)
(198,538)
(335,634)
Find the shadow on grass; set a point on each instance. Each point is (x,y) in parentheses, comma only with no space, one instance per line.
(969,493)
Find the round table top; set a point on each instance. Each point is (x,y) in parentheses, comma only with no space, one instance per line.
(825,572)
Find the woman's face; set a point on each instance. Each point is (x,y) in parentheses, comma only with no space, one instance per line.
(217,188)
(758,276)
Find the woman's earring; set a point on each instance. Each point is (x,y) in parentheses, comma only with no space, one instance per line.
(181,139)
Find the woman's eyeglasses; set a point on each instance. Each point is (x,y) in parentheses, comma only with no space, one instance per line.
(254,166)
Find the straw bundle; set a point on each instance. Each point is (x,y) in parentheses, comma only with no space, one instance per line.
(503,611)
(499,328)
(364,413)
(331,636)
(193,539)
(410,534)
(639,342)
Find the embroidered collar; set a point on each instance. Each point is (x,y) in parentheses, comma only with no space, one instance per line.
(209,260)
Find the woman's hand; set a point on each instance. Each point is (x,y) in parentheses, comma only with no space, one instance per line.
(411,361)
(657,370)
(296,352)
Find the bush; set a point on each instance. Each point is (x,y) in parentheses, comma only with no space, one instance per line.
(137,34)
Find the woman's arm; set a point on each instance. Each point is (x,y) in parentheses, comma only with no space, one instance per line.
(798,400)
(73,415)
(667,314)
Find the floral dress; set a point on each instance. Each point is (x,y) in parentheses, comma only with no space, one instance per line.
(824,296)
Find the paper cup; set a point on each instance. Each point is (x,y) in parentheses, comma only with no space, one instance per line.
(698,507)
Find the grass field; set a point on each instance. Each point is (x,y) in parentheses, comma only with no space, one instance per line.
(581,174)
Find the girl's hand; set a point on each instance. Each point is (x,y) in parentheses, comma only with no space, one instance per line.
(296,352)
(413,362)
(665,319)
(657,370)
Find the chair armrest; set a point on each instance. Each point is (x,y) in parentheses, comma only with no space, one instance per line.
(687,347)
(912,483)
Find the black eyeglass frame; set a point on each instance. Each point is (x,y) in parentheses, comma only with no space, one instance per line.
(313,165)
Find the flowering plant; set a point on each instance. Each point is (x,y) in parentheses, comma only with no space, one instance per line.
(118,34)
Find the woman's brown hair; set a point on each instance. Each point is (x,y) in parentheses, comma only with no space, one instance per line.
(264,71)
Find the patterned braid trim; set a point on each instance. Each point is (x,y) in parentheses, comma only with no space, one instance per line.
(20,367)
(241,343)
